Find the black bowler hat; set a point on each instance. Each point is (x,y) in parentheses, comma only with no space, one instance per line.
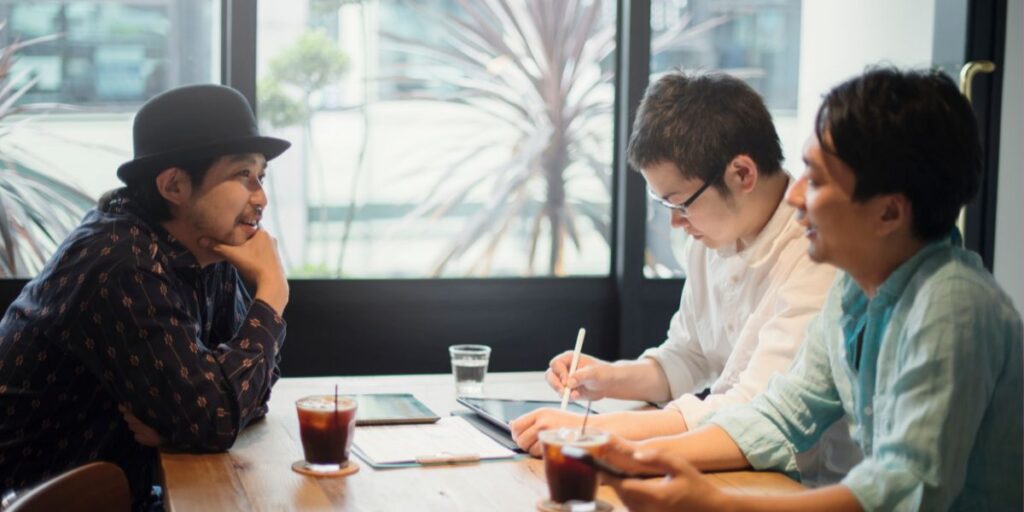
(192,123)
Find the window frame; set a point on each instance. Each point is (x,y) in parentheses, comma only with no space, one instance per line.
(986,40)
(373,326)
(348,326)
(624,312)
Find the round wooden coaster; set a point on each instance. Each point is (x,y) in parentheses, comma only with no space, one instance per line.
(350,467)
(547,505)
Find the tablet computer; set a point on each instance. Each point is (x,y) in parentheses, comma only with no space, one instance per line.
(392,409)
(501,411)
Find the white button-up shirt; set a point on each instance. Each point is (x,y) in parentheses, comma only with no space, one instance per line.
(741,320)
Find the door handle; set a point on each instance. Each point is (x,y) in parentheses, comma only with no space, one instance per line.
(969,70)
(967,74)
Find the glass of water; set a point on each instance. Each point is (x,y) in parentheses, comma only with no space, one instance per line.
(469,366)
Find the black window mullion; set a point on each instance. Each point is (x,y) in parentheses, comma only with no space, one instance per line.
(238,46)
(628,210)
(986,37)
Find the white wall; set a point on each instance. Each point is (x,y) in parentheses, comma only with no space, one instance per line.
(1009,256)
(838,39)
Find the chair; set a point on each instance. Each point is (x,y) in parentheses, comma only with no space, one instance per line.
(97,486)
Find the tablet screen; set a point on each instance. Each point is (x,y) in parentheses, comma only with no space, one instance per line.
(392,409)
(501,411)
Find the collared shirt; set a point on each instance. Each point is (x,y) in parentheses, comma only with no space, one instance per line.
(741,317)
(935,404)
(122,314)
(741,320)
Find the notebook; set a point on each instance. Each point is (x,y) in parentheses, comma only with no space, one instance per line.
(451,440)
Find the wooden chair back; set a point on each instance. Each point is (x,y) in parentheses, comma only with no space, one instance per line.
(97,486)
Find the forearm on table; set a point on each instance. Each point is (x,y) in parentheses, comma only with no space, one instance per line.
(641,379)
(834,498)
(638,425)
(708,448)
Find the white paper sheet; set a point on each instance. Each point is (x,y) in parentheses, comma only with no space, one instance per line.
(405,443)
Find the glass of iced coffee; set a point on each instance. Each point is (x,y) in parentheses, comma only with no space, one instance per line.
(326,425)
(572,484)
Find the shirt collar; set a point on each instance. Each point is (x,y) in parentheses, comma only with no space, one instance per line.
(766,242)
(854,299)
(894,285)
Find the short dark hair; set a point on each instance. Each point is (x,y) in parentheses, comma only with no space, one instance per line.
(143,193)
(908,132)
(700,123)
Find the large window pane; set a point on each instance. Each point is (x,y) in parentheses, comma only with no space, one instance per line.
(792,53)
(86,69)
(440,138)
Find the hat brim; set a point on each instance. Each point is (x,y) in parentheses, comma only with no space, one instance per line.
(138,168)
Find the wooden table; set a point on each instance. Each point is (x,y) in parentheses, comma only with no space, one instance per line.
(256,475)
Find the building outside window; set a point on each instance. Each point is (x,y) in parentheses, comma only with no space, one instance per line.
(432,138)
(96,63)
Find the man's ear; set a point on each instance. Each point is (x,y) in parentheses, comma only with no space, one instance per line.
(742,173)
(893,214)
(174,185)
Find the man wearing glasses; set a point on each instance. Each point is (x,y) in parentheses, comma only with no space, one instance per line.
(707,147)
(917,349)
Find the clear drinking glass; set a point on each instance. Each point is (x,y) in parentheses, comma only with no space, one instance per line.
(469,367)
(326,427)
(572,484)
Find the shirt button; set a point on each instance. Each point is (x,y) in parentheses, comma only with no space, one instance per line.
(868,410)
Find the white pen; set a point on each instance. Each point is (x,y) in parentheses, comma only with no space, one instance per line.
(572,367)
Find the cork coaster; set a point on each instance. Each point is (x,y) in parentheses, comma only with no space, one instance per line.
(551,506)
(350,467)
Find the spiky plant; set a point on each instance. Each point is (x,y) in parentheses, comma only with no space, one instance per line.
(544,69)
(36,212)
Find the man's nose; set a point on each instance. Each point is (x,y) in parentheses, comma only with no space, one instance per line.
(678,219)
(259,198)
(797,193)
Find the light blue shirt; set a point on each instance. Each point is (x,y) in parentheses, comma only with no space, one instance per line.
(936,404)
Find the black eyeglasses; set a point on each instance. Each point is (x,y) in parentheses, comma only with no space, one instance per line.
(685,205)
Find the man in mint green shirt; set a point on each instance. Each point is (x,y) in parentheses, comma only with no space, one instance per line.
(916,347)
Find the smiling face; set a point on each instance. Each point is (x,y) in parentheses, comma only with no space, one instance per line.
(227,207)
(840,230)
(711,219)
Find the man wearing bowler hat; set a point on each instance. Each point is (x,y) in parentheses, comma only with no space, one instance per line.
(139,331)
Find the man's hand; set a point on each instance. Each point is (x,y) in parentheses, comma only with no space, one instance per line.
(526,428)
(683,487)
(259,262)
(592,380)
(144,435)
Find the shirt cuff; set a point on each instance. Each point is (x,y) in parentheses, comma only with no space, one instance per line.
(262,315)
(761,442)
(678,379)
(693,409)
(881,486)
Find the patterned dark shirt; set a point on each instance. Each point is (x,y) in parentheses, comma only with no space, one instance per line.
(123,315)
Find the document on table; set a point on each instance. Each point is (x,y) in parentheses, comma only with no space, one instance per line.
(450,440)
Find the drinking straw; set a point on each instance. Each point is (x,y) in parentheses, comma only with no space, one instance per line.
(583,430)
(572,367)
